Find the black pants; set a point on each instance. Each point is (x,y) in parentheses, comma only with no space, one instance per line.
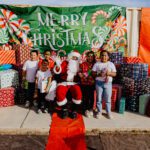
(87,96)
(30,92)
(42,103)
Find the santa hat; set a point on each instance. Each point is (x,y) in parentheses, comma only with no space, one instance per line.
(74,53)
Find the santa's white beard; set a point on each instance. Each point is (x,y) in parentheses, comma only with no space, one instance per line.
(73,68)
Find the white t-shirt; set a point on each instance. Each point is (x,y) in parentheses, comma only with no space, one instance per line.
(104,67)
(31,68)
(42,76)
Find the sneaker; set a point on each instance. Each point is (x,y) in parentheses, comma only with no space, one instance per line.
(43,110)
(109,115)
(98,115)
(27,104)
(87,114)
(47,110)
(35,103)
(37,111)
(73,115)
(64,113)
(91,112)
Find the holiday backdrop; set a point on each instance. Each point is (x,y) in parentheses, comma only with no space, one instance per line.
(67,28)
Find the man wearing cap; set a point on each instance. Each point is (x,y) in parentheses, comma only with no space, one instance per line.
(68,71)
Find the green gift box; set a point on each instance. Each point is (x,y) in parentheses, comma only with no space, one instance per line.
(143,101)
(9,78)
(122,103)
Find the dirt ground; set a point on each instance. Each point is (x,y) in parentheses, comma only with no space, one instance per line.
(102,141)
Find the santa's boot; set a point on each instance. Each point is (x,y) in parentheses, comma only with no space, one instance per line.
(74,110)
(64,112)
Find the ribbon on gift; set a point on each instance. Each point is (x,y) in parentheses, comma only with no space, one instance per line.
(131,60)
(7,47)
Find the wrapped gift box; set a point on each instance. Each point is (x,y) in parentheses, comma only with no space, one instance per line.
(7,97)
(148,109)
(116,57)
(136,87)
(7,57)
(118,87)
(22,53)
(143,101)
(121,105)
(43,86)
(132,103)
(9,78)
(117,79)
(131,60)
(134,71)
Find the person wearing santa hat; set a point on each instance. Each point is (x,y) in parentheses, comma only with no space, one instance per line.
(68,71)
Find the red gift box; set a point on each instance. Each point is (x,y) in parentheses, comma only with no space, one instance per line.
(22,53)
(7,97)
(7,57)
(119,90)
(132,60)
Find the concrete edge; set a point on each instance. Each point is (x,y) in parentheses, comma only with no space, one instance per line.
(45,131)
(24,131)
(118,131)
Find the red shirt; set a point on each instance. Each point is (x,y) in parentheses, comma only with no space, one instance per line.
(86,71)
(51,63)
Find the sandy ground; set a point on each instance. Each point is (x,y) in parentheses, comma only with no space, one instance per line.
(103,141)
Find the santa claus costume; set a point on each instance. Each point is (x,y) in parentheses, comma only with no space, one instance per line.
(68,72)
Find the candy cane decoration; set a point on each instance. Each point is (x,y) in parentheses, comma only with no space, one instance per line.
(122,40)
(23,30)
(64,52)
(97,13)
(120,26)
(83,56)
(113,40)
(8,21)
(112,9)
(3,37)
(97,44)
(29,42)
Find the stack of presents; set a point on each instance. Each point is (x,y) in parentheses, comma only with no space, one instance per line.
(11,63)
(132,84)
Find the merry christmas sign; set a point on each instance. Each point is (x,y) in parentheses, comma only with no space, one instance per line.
(82,28)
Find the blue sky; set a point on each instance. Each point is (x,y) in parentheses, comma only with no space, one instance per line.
(125,3)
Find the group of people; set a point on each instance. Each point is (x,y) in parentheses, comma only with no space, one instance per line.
(75,81)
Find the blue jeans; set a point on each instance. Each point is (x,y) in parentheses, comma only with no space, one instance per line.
(103,90)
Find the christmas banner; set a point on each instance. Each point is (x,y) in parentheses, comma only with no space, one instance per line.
(67,28)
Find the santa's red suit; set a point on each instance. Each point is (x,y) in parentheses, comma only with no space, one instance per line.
(68,74)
